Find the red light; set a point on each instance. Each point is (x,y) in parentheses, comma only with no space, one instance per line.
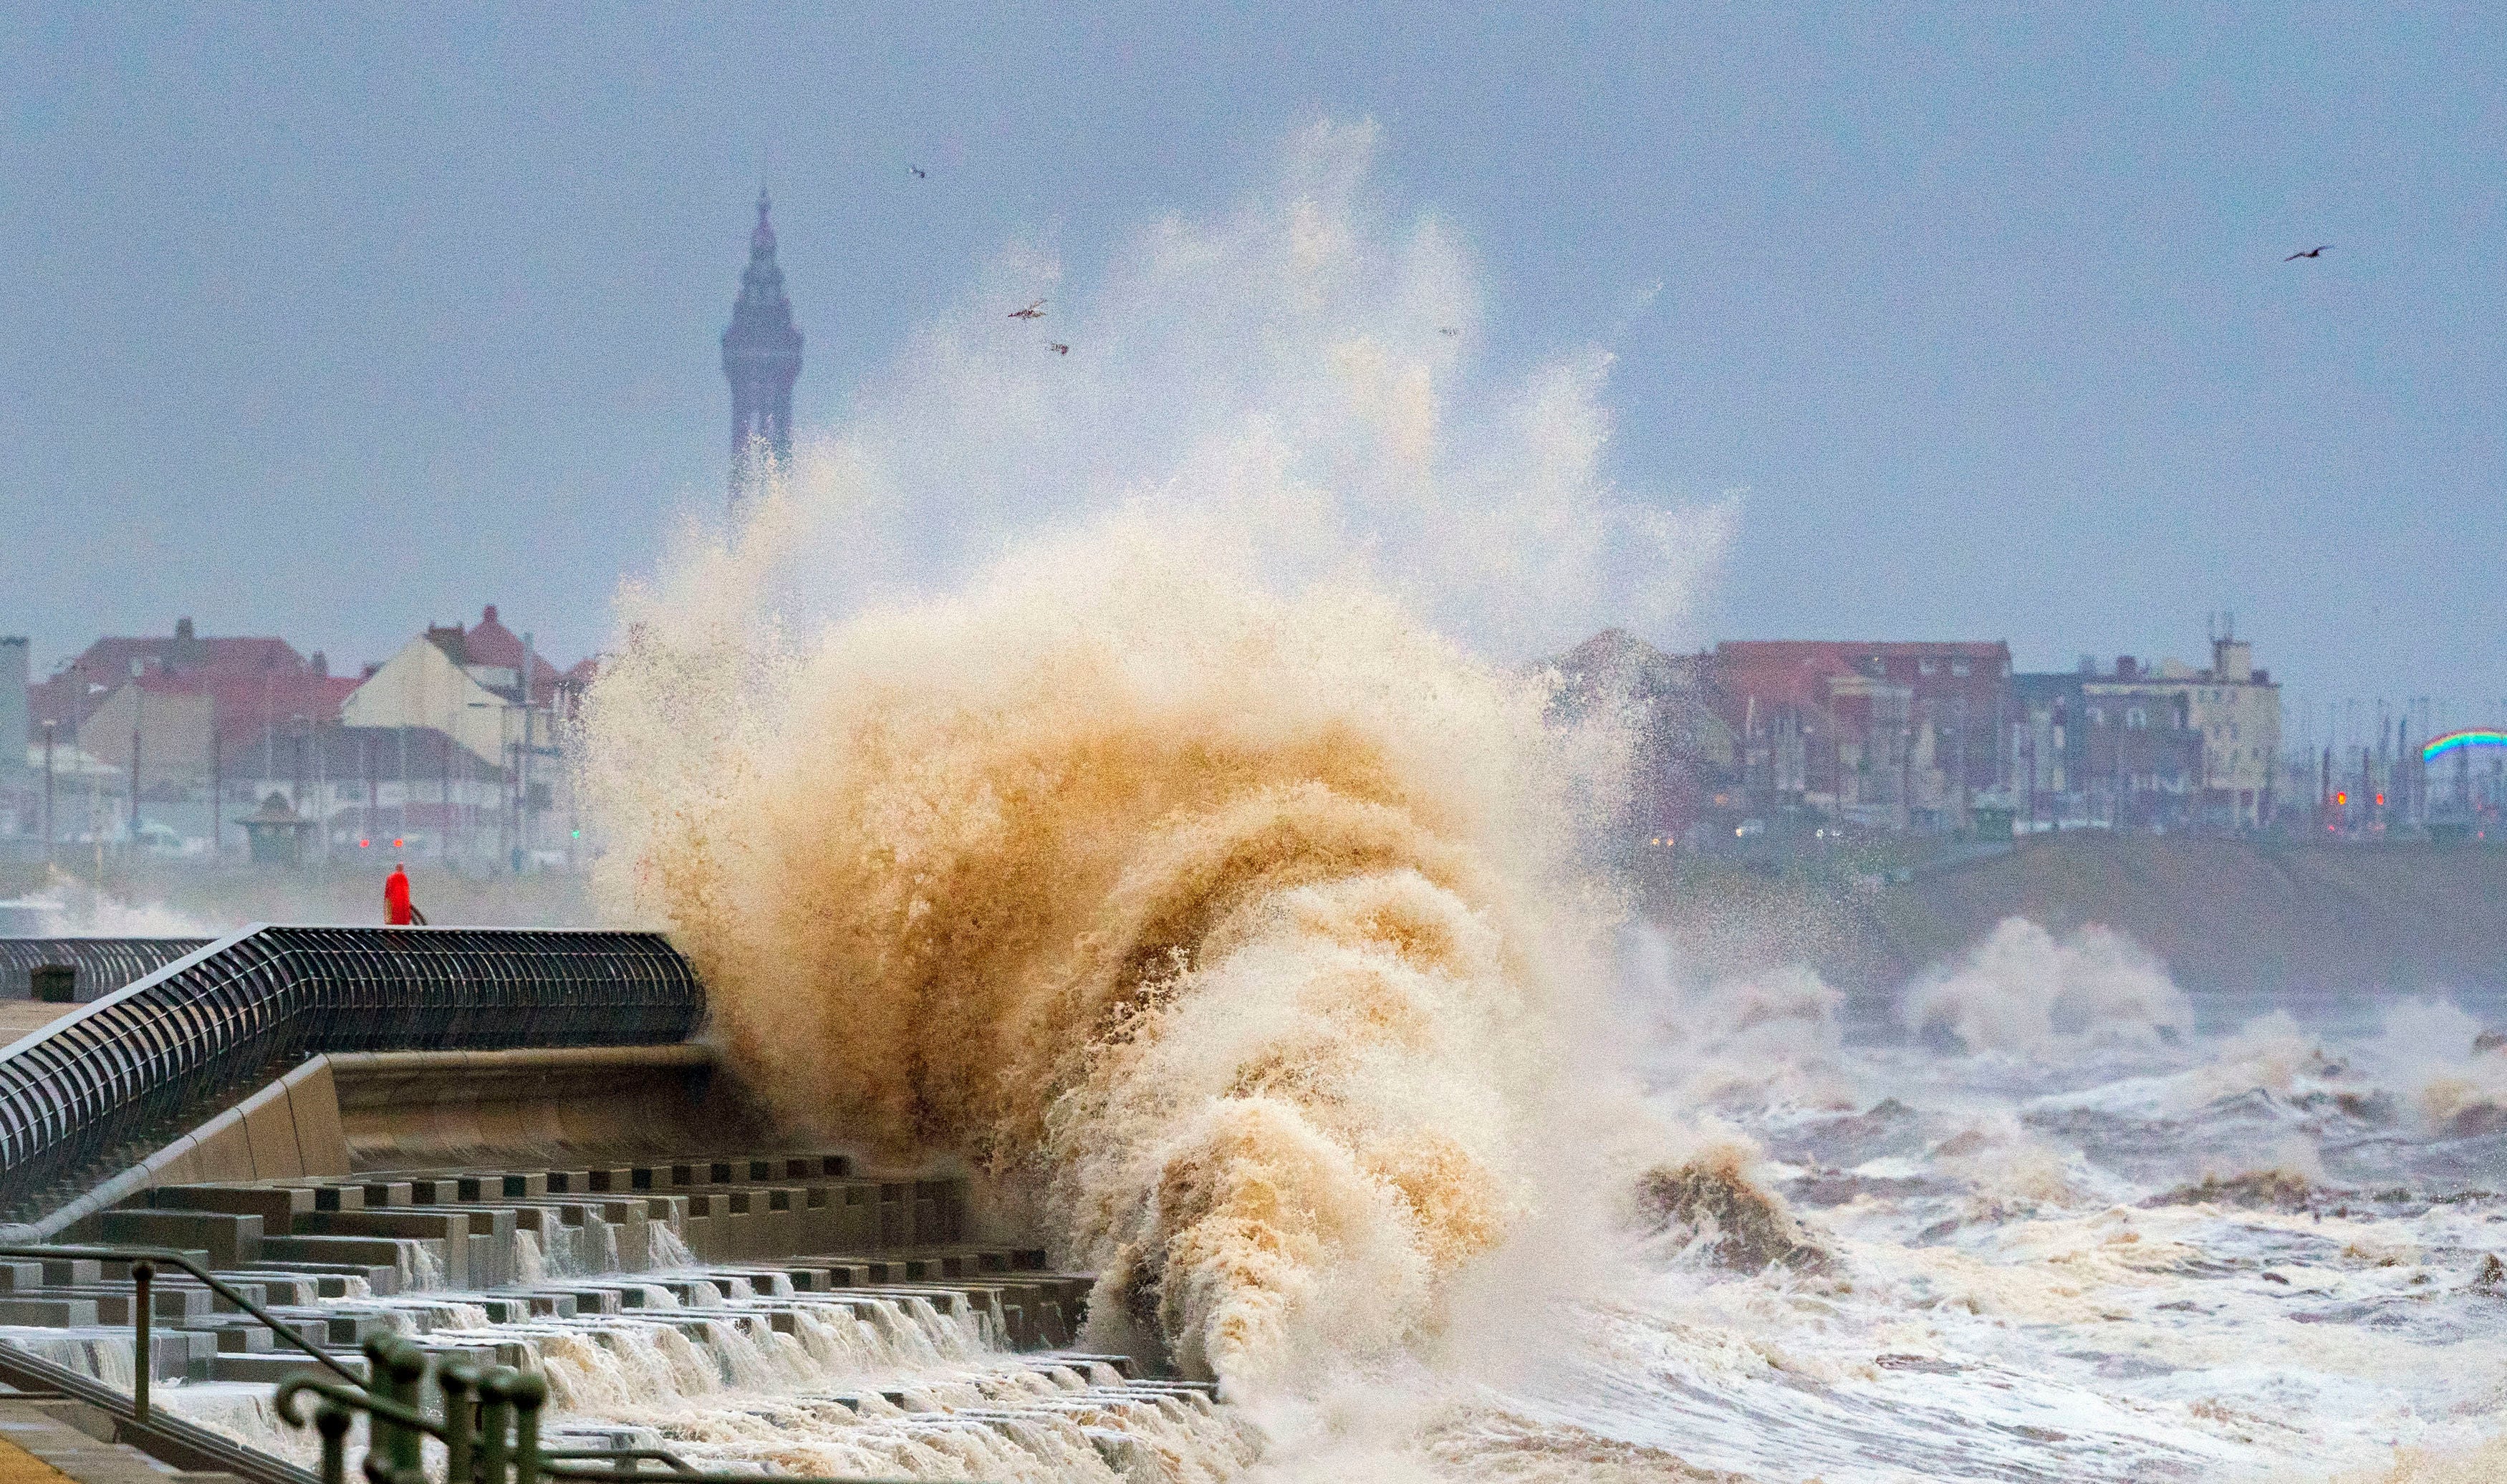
(2340,798)
(395,845)
(2381,801)
(362,844)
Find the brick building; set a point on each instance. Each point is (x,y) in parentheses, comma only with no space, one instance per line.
(1889,735)
(2148,747)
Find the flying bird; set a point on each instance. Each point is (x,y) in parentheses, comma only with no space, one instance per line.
(1447,330)
(1057,348)
(919,173)
(2312,252)
(1034,310)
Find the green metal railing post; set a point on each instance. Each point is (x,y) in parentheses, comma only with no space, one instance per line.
(333,1420)
(143,1358)
(530,1394)
(459,1381)
(495,1424)
(379,1428)
(502,1446)
(405,1365)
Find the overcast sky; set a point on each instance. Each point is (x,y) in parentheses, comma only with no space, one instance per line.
(327,325)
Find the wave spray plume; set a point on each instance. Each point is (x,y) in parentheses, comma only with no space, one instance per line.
(1228,917)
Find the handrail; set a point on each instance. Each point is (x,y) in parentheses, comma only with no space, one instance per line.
(139,1259)
(163,1435)
(676,1464)
(390,1394)
(133,1066)
(501,1446)
(103,965)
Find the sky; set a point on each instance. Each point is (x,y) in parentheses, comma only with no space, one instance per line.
(328,321)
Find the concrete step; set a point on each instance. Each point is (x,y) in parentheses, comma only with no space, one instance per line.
(269,1368)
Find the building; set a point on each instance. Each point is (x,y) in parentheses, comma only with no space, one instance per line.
(2142,747)
(1887,734)
(1680,747)
(161,724)
(761,358)
(2046,756)
(258,690)
(16,724)
(2144,763)
(466,685)
(368,791)
(2237,707)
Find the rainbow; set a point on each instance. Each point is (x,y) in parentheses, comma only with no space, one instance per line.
(2439,747)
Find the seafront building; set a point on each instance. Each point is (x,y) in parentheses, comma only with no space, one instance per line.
(170,745)
(1939,737)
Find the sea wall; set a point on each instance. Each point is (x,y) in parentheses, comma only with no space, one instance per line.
(2228,916)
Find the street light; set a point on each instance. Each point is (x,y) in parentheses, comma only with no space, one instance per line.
(49,724)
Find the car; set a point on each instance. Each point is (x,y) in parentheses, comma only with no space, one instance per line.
(161,839)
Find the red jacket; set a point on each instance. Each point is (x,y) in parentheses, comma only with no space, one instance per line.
(396,911)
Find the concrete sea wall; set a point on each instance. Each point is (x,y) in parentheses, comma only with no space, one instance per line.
(2228,916)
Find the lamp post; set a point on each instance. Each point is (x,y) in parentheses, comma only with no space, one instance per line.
(138,700)
(48,726)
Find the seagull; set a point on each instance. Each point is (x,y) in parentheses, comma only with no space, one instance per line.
(1057,348)
(919,173)
(1447,330)
(2312,252)
(1034,310)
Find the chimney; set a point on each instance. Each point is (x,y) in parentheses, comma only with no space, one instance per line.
(183,631)
(321,666)
(2125,668)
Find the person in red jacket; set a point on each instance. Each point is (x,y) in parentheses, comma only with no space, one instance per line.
(398,910)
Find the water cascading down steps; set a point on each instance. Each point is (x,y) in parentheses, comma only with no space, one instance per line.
(770,1310)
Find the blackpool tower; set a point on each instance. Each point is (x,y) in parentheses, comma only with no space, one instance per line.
(761,358)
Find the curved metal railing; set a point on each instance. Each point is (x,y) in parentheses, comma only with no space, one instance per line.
(90,1085)
(103,965)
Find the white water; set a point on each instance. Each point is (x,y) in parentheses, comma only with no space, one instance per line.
(1393,1109)
(2031,1281)
(719,1385)
(1188,844)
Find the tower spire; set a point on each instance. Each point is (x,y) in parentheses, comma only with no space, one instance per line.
(761,358)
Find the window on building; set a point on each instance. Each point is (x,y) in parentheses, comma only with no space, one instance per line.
(2136,719)
(1959,665)
(1928,665)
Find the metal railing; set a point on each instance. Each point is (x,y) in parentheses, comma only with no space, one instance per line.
(490,1427)
(100,1081)
(103,965)
(144,1261)
(490,1423)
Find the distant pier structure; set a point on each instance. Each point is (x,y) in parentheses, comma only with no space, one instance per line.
(761,358)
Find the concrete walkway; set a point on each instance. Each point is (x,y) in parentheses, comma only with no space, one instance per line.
(53,1442)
